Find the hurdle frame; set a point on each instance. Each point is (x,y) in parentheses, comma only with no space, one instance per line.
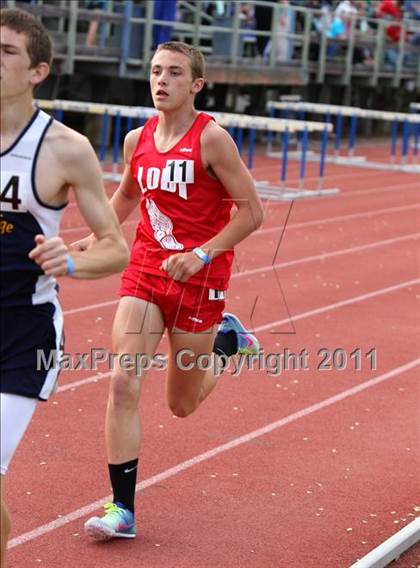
(392,548)
(410,122)
(235,123)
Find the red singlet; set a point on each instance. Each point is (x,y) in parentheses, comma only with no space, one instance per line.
(181,205)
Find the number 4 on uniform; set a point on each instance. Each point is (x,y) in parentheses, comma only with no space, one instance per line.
(13,188)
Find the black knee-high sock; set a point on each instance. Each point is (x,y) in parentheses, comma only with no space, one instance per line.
(123,480)
(226,344)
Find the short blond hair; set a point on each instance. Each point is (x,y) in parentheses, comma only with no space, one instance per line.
(194,55)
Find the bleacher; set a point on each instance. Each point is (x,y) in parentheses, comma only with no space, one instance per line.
(298,53)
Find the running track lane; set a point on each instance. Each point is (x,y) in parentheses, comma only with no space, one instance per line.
(300,239)
(305,288)
(301,500)
(294,390)
(258,413)
(200,418)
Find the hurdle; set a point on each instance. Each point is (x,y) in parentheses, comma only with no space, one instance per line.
(410,128)
(392,548)
(415,109)
(236,124)
(293,141)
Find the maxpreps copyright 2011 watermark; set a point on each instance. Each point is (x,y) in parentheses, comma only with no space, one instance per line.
(272,363)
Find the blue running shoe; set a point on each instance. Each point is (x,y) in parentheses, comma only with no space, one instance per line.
(118,522)
(247,343)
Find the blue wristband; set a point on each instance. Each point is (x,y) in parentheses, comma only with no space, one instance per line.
(202,255)
(70,266)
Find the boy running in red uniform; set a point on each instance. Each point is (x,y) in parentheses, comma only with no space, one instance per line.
(186,172)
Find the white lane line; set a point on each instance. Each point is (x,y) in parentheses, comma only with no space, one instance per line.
(322,256)
(252,271)
(275,165)
(351,193)
(346,175)
(83,382)
(344,193)
(329,220)
(296,317)
(294,225)
(183,466)
(336,305)
(90,307)
(86,229)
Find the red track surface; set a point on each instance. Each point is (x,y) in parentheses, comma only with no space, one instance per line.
(319,489)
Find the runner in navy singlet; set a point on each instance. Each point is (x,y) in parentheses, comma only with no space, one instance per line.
(40,160)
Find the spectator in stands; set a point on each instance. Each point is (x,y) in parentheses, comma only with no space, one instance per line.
(346,7)
(370,8)
(95,5)
(322,17)
(163,10)
(364,11)
(415,39)
(263,16)
(248,22)
(363,54)
(285,24)
(390,10)
(322,20)
(412,9)
(340,26)
(338,29)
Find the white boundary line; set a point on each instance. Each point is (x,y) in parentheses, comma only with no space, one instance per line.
(322,256)
(90,307)
(312,178)
(404,187)
(374,212)
(303,315)
(75,384)
(345,193)
(340,304)
(241,274)
(327,178)
(291,226)
(183,466)
(351,193)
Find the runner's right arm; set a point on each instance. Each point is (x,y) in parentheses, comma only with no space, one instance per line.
(81,172)
(127,196)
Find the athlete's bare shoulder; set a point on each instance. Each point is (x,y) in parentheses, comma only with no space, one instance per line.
(130,142)
(68,146)
(216,144)
(213,133)
(66,159)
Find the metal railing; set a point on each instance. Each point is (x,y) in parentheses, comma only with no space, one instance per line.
(297,42)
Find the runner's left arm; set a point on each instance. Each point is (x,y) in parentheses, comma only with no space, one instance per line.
(220,155)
